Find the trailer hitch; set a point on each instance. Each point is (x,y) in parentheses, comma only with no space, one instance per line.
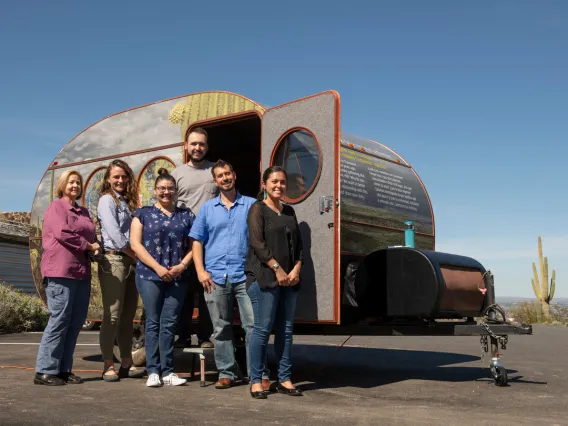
(493,339)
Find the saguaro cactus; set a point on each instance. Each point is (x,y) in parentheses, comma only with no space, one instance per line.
(541,288)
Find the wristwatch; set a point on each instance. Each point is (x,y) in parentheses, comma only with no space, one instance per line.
(275,266)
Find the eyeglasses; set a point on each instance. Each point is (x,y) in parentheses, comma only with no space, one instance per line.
(162,189)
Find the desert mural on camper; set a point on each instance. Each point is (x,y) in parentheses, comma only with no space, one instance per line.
(379,192)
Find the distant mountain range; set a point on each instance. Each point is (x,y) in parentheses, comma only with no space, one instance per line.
(508,300)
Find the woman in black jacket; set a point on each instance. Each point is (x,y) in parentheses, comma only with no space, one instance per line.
(273,276)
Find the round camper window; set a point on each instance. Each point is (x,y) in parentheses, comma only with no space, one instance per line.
(299,154)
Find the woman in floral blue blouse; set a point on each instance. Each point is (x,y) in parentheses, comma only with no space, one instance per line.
(159,237)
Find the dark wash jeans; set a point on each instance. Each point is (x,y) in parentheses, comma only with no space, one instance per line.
(272,308)
(68,304)
(162,305)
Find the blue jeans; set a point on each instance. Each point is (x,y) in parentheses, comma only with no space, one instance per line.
(162,305)
(68,304)
(220,306)
(273,308)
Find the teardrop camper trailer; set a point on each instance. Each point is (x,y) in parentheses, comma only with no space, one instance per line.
(352,197)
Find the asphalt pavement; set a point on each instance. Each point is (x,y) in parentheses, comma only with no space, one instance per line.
(370,380)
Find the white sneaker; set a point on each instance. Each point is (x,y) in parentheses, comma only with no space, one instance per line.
(173,380)
(153,381)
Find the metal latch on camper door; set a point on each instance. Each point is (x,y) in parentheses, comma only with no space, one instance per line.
(326,204)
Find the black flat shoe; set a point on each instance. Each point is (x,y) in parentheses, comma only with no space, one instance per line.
(48,380)
(286,391)
(258,394)
(70,378)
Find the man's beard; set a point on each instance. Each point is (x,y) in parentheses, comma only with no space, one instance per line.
(195,159)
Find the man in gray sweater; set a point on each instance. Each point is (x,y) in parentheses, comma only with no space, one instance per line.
(194,187)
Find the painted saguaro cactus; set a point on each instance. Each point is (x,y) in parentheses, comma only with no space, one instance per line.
(201,106)
(542,290)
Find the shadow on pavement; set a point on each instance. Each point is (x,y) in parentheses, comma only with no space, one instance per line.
(324,367)
(361,367)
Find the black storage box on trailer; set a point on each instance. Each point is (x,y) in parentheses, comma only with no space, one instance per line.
(407,282)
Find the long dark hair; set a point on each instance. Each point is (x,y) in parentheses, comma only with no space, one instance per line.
(163,174)
(266,175)
(130,194)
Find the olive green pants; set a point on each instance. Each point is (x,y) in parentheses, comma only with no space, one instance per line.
(120,300)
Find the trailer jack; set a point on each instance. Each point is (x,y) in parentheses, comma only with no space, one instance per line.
(498,371)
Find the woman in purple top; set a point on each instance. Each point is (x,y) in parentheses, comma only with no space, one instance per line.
(159,237)
(68,236)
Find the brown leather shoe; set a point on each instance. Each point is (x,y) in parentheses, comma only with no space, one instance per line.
(224,383)
(265,385)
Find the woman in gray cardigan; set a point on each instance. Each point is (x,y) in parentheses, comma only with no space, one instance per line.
(116,271)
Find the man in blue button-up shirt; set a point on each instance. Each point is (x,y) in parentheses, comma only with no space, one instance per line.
(221,230)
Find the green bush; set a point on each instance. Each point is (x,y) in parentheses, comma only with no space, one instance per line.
(20,312)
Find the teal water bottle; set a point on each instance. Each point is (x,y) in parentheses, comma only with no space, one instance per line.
(409,233)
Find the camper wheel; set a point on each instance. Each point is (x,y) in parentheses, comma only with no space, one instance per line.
(138,350)
(138,356)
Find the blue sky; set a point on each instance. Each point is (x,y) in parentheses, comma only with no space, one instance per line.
(473,94)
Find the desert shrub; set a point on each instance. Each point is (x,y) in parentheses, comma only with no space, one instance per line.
(21,312)
(558,315)
(527,312)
